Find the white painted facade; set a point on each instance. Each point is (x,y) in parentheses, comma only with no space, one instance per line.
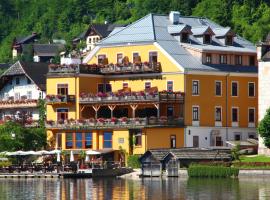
(207,135)
(264,98)
(91,42)
(18,88)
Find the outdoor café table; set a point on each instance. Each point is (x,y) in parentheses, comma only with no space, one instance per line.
(67,168)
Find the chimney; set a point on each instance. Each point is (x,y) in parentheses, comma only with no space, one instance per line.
(174,17)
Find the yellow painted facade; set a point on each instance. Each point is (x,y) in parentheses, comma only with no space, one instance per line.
(157,137)
(207,99)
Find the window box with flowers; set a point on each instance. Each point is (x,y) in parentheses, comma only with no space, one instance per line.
(91,122)
(137,121)
(152,120)
(113,121)
(124,120)
(101,121)
(163,120)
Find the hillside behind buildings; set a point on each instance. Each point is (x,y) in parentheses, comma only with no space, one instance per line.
(66,19)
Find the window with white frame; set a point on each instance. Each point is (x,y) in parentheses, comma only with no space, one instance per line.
(147,85)
(234,114)
(125,85)
(218,87)
(238,60)
(208,58)
(195,113)
(251,115)
(170,86)
(223,59)
(29,94)
(119,58)
(218,116)
(195,87)
(251,89)
(234,89)
(153,57)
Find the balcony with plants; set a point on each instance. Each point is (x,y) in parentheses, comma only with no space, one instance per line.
(139,67)
(131,97)
(59,99)
(23,102)
(105,69)
(123,122)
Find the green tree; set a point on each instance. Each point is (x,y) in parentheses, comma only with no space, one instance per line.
(14,136)
(264,128)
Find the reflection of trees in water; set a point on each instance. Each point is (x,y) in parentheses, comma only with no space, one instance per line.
(147,188)
(216,188)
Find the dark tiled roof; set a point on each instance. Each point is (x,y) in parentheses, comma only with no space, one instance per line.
(189,153)
(37,72)
(47,49)
(25,39)
(102,29)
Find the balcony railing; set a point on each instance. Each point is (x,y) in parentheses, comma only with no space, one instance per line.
(131,97)
(131,68)
(73,69)
(116,123)
(153,67)
(26,103)
(57,99)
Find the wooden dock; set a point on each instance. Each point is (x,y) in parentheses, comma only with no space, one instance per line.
(30,175)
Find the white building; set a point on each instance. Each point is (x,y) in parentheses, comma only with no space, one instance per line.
(263,55)
(21,85)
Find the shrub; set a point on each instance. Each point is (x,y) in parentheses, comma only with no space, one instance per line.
(212,171)
(133,161)
(5,163)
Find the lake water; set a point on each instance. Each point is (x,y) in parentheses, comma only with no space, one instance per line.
(155,188)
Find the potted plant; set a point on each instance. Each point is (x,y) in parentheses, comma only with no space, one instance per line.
(91,122)
(113,120)
(101,121)
(152,120)
(124,120)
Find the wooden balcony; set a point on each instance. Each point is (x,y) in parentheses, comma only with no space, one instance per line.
(115,123)
(27,103)
(144,67)
(105,69)
(73,69)
(133,97)
(60,99)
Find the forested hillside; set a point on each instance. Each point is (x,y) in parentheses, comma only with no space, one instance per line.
(67,18)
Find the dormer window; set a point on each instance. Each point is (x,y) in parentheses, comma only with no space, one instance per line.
(207,39)
(229,40)
(184,37)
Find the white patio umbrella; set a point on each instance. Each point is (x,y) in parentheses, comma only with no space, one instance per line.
(58,159)
(17,153)
(32,153)
(87,159)
(43,152)
(54,152)
(91,152)
(71,157)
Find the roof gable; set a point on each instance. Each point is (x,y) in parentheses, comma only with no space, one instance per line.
(34,71)
(139,31)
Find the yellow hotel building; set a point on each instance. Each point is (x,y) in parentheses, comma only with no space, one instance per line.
(160,82)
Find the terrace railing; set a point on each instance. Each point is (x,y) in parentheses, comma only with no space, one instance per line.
(115,123)
(73,69)
(56,99)
(153,67)
(26,103)
(132,97)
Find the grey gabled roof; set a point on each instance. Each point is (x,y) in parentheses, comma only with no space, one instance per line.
(221,32)
(155,28)
(47,49)
(200,30)
(173,29)
(188,154)
(34,70)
